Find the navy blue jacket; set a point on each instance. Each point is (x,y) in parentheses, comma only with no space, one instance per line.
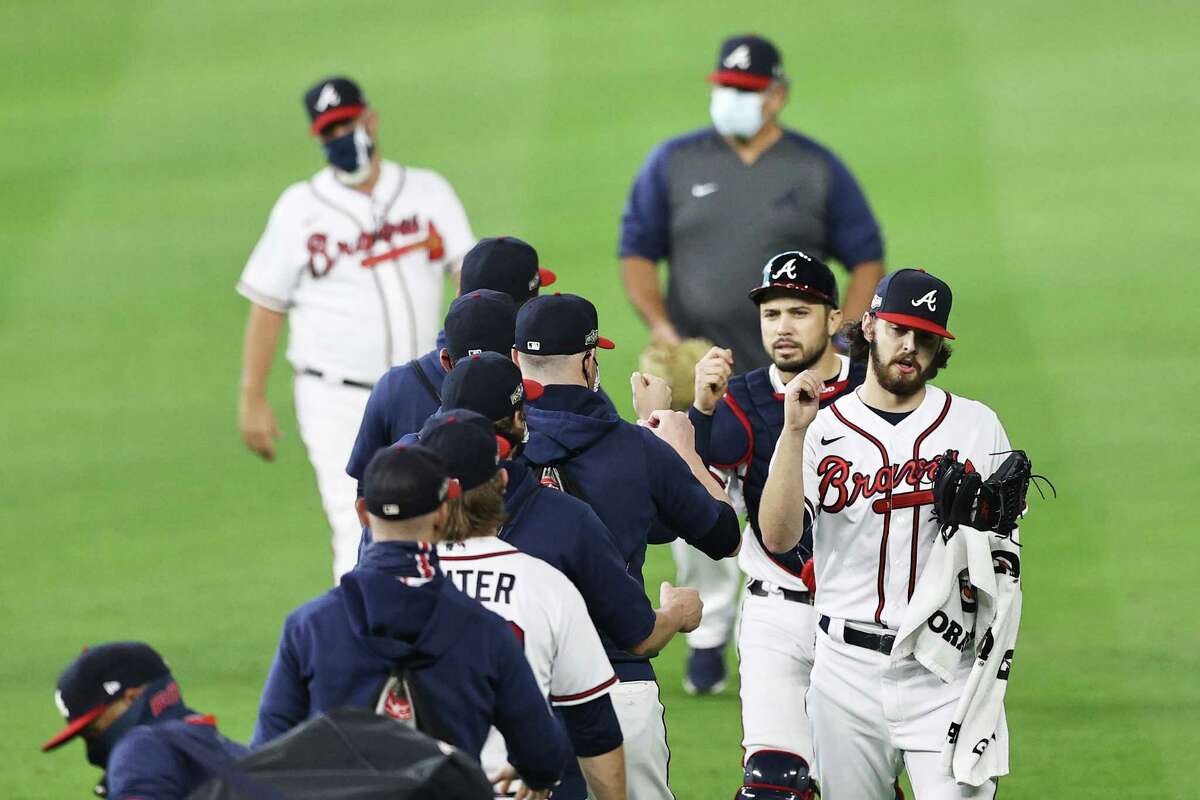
(339,649)
(741,435)
(145,765)
(632,479)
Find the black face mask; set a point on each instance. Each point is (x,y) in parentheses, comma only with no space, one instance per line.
(99,748)
(350,155)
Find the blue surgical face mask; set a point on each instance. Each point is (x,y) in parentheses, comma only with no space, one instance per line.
(350,155)
(736,113)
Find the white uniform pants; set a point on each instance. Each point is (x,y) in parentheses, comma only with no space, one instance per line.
(869,716)
(641,716)
(329,415)
(775,643)
(718,583)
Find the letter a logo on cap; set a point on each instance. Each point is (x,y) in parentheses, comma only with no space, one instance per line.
(929,299)
(788,269)
(328,97)
(739,58)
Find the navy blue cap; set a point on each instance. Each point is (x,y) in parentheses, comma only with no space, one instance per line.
(332,100)
(404,481)
(795,272)
(97,678)
(467,442)
(915,299)
(489,384)
(747,62)
(558,325)
(480,322)
(505,264)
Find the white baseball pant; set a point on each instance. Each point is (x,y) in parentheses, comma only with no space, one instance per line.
(647,756)
(718,583)
(871,717)
(329,414)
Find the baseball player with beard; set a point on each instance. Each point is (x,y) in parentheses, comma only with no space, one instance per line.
(355,259)
(855,476)
(737,422)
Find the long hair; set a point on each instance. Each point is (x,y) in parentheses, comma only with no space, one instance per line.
(479,512)
(860,349)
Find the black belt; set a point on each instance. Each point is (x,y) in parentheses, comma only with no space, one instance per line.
(755,587)
(880,643)
(316,373)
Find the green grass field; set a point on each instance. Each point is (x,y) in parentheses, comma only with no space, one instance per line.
(1041,156)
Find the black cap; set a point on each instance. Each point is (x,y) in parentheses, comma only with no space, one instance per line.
(467,442)
(747,62)
(403,482)
(915,299)
(97,678)
(332,100)
(489,384)
(558,325)
(797,273)
(505,264)
(480,322)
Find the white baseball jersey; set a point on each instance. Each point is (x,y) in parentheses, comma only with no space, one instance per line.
(545,611)
(868,489)
(350,315)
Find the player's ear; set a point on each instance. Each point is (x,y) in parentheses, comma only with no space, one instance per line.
(371,122)
(868,326)
(515,356)
(833,320)
(360,506)
(444,356)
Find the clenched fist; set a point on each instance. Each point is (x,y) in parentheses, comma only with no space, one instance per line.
(712,378)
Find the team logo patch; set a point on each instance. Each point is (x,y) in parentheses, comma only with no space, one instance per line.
(394,702)
(788,269)
(533,345)
(535,281)
(474,351)
(591,339)
(928,299)
(111,687)
(517,394)
(876,302)
(328,97)
(739,58)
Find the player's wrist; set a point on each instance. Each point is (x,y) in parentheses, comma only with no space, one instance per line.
(708,412)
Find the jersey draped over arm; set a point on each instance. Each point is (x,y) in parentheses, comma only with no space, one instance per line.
(645,222)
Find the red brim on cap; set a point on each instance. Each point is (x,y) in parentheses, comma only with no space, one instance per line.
(739,80)
(547,276)
(605,344)
(72,730)
(335,115)
(909,321)
(533,389)
(797,288)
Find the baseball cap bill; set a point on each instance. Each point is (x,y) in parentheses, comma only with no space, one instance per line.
(96,679)
(331,100)
(505,264)
(489,384)
(403,482)
(480,322)
(558,325)
(747,62)
(915,299)
(797,273)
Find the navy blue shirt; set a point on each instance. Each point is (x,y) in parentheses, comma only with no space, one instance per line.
(145,765)
(396,609)
(632,479)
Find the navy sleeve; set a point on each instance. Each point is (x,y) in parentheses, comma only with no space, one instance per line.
(645,223)
(536,747)
(723,439)
(144,767)
(854,236)
(683,505)
(615,600)
(375,431)
(285,701)
(592,727)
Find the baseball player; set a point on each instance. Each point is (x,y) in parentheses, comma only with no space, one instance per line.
(398,637)
(855,476)
(544,609)
(121,699)
(355,259)
(737,421)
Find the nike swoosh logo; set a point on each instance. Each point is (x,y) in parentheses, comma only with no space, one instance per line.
(703,189)
(831,441)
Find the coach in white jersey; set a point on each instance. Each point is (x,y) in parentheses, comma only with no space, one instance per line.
(354,258)
(858,474)
(544,609)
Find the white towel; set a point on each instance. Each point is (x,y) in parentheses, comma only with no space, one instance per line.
(984,568)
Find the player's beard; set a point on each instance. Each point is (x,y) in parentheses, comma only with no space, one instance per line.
(894,381)
(796,365)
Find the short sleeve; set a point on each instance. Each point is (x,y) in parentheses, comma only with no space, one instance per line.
(645,222)
(452,224)
(582,671)
(854,236)
(273,271)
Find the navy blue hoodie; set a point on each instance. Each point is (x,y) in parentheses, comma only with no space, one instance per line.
(339,649)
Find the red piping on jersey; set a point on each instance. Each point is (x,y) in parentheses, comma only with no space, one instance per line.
(745,421)
(481,555)
(912,557)
(887,517)
(566,698)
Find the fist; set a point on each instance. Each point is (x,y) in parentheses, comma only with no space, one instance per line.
(712,378)
(801,399)
(650,393)
(684,602)
(257,426)
(674,428)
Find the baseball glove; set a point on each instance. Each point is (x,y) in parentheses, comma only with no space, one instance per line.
(676,364)
(962,497)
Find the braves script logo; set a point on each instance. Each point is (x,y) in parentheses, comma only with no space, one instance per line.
(323,255)
(928,299)
(848,487)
